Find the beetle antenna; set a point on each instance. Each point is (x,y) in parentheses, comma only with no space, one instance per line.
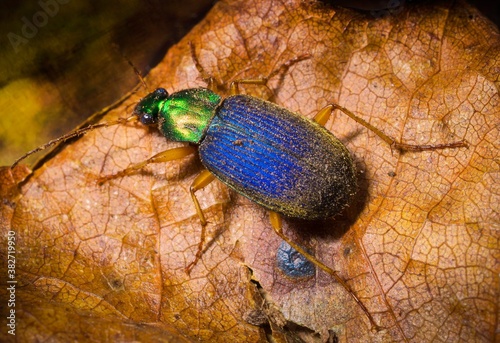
(138,73)
(136,70)
(84,130)
(75,133)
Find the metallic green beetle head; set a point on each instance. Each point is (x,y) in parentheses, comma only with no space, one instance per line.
(147,109)
(182,116)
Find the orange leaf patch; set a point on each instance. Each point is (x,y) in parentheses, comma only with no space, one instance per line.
(419,245)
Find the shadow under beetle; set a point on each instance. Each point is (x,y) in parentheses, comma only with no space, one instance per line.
(283,161)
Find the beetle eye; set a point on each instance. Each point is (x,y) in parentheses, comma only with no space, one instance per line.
(160,94)
(147,115)
(147,119)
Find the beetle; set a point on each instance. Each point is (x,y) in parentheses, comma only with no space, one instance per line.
(290,165)
(276,158)
(286,163)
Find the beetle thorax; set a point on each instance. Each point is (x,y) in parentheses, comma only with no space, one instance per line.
(184,116)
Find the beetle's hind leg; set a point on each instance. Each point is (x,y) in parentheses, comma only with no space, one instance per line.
(276,223)
(324,114)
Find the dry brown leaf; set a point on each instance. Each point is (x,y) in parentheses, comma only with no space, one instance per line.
(419,245)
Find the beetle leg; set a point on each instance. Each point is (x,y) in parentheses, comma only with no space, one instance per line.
(201,181)
(262,81)
(324,114)
(164,156)
(276,223)
(209,80)
(234,86)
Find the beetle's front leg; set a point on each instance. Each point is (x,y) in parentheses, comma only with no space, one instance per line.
(262,81)
(209,80)
(164,156)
